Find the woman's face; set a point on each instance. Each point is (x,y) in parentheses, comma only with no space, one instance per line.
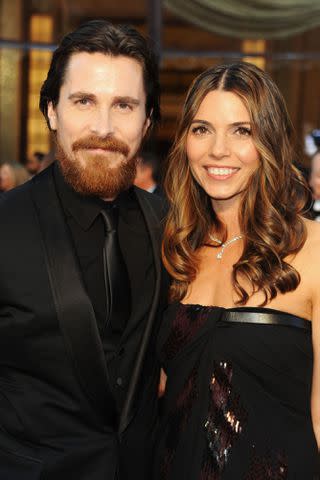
(6,178)
(220,148)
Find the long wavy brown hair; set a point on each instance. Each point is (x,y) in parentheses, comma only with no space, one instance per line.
(272,205)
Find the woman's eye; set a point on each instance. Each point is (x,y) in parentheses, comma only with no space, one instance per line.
(243,131)
(199,130)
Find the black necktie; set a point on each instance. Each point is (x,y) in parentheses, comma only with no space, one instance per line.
(116,275)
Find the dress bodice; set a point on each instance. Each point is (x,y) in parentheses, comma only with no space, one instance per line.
(238,394)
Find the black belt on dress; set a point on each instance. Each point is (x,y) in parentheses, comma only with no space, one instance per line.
(266,318)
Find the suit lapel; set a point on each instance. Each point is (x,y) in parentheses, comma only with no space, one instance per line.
(74,309)
(152,222)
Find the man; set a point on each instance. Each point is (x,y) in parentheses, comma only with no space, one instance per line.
(314,182)
(33,163)
(147,175)
(78,371)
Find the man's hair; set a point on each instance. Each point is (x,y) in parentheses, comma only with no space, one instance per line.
(39,155)
(103,37)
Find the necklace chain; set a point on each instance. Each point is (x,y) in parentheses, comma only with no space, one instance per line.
(225,244)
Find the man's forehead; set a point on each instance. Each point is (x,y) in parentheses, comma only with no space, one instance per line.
(99,72)
(105,62)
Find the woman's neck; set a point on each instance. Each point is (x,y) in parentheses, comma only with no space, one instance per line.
(228,213)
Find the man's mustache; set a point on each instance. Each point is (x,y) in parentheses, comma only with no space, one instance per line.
(110,144)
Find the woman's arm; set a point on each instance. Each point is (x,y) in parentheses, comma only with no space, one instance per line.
(162,383)
(312,269)
(315,397)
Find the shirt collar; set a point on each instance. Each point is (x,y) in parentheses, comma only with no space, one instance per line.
(85,209)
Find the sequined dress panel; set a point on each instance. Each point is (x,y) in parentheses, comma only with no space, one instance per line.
(237,401)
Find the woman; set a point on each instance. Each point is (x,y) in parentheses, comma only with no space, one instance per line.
(12,175)
(242,400)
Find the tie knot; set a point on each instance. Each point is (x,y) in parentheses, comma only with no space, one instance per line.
(110,218)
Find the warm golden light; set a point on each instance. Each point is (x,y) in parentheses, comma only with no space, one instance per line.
(255,46)
(41,30)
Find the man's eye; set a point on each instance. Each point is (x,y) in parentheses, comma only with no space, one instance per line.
(83,101)
(199,130)
(124,106)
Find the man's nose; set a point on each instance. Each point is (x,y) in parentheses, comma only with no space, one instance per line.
(102,122)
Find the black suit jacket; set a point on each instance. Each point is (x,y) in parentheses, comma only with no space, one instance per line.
(57,409)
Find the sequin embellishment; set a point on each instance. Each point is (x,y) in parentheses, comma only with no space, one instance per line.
(268,467)
(224,422)
(187,323)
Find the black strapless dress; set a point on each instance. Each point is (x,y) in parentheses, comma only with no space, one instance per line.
(237,401)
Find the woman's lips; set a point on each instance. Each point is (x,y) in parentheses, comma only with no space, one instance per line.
(221,173)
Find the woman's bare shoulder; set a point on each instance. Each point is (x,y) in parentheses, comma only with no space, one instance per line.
(313,232)
(309,255)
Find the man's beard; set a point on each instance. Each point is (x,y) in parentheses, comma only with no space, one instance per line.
(93,174)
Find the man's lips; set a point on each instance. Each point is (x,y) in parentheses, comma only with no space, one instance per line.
(102,150)
(101,145)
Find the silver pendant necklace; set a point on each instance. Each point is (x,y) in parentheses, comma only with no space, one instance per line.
(225,244)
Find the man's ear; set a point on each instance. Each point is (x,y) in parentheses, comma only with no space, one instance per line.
(52,116)
(146,126)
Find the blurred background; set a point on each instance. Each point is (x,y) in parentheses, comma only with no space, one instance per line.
(280,36)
